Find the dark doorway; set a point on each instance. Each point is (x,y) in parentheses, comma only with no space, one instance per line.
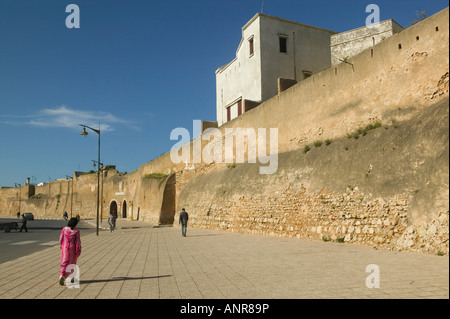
(113,207)
(124,209)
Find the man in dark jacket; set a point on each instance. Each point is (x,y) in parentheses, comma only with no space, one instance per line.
(183,221)
(24,224)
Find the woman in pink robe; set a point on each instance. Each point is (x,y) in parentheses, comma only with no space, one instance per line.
(70,244)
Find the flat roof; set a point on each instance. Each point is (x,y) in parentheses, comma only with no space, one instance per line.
(372,25)
(283,20)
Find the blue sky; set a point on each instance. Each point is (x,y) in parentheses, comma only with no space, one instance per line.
(140,68)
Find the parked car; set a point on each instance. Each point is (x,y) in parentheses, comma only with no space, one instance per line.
(28,216)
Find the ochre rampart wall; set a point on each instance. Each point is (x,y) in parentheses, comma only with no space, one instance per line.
(388,189)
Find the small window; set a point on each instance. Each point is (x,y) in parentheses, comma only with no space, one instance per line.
(250,45)
(306,74)
(283,44)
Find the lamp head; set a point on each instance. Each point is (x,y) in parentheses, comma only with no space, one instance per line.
(84,133)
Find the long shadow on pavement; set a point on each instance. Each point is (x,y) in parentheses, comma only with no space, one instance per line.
(121,279)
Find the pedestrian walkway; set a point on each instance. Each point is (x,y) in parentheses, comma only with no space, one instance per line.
(139,260)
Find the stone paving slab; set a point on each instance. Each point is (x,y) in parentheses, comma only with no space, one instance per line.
(140,261)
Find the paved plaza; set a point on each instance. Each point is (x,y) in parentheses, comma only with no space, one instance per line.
(139,260)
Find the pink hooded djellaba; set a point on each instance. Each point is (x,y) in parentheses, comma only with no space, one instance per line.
(70,244)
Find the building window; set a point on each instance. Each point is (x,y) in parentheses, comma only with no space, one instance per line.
(283,43)
(251,46)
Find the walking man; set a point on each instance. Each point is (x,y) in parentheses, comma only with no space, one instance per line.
(24,224)
(183,221)
(112,221)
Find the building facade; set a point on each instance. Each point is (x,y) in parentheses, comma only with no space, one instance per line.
(270,48)
(348,44)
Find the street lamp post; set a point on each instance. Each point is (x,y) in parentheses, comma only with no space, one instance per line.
(20,194)
(71,195)
(84,133)
(101,168)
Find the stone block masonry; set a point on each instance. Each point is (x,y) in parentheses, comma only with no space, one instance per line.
(351,217)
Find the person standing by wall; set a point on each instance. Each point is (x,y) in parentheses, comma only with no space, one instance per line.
(184,216)
(24,224)
(112,221)
(70,244)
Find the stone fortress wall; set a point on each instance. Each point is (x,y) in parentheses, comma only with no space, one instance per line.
(352,190)
(387,189)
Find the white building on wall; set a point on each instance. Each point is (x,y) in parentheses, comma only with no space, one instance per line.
(350,43)
(270,48)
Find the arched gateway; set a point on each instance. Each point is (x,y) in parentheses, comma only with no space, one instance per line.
(113,207)
(124,209)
